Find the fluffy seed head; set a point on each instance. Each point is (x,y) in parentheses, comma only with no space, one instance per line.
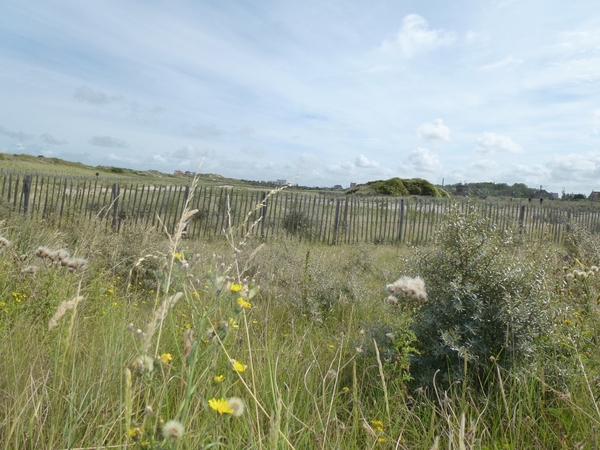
(237,405)
(412,288)
(172,430)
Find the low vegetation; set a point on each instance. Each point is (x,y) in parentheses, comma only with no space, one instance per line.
(398,187)
(149,340)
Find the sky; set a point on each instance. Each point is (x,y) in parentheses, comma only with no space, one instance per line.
(319,93)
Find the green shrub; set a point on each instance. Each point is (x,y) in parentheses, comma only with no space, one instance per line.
(393,186)
(486,300)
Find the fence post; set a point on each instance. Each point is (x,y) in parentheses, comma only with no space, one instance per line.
(115,202)
(26,193)
(9,187)
(401,219)
(263,214)
(521,219)
(336,221)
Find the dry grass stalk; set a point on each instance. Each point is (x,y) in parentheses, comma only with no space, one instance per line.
(159,316)
(62,309)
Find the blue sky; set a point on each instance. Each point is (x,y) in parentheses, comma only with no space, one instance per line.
(329,91)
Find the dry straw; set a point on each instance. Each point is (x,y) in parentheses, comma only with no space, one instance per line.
(63,308)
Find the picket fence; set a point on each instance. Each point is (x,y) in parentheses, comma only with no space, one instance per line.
(314,217)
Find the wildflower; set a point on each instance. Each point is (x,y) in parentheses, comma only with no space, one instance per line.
(31,270)
(381,439)
(185,266)
(4,242)
(345,389)
(139,334)
(236,404)
(218,378)
(413,288)
(144,364)
(130,328)
(178,255)
(331,374)
(594,268)
(238,366)
(75,263)
(377,424)
(166,358)
(243,303)
(172,430)
(392,300)
(221,406)
(148,410)
(235,287)
(134,433)
(62,256)
(233,323)
(569,276)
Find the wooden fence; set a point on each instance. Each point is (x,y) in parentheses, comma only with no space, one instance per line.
(325,218)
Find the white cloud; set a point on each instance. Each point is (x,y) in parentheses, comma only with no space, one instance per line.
(421,160)
(49,139)
(575,166)
(251,150)
(206,130)
(86,94)
(363,161)
(496,143)
(508,61)
(415,36)
(344,168)
(184,153)
(107,141)
(14,134)
(435,130)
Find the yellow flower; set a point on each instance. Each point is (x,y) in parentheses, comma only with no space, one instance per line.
(218,378)
(178,255)
(381,439)
(243,303)
(238,366)
(134,433)
(235,287)
(233,323)
(345,389)
(166,358)
(377,424)
(221,406)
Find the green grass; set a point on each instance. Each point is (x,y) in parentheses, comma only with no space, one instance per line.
(313,376)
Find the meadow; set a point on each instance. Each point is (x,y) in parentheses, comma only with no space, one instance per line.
(145,339)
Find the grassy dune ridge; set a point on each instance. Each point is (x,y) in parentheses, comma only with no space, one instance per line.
(162,342)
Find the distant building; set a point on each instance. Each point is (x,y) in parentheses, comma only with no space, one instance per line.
(352,184)
(178,172)
(545,194)
(594,196)
(190,174)
(280,182)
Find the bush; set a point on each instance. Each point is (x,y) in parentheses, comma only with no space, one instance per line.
(393,186)
(485,300)
(297,222)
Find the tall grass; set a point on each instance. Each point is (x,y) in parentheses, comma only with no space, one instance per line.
(170,330)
